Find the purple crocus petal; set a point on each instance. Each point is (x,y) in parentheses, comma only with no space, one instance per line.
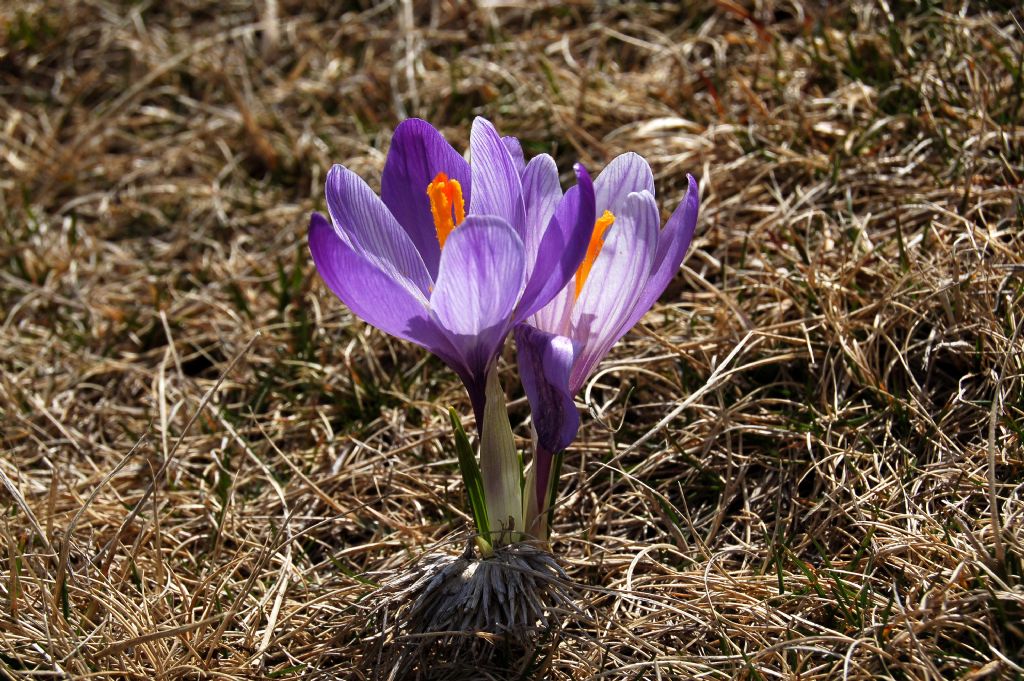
(562,247)
(614,283)
(625,174)
(417,154)
(673,242)
(478,283)
(541,194)
(545,361)
(369,292)
(515,150)
(365,223)
(497,189)
(555,316)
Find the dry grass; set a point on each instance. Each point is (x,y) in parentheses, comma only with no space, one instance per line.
(805,463)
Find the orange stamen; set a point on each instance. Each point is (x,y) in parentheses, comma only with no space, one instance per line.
(596,242)
(446,205)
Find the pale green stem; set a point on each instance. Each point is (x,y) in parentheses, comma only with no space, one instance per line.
(534,522)
(500,467)
(536,518)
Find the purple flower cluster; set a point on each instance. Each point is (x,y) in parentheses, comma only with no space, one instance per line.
(454,255)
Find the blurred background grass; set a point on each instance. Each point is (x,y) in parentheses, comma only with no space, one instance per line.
(843,500)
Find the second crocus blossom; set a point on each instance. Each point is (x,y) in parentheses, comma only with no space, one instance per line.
(628,264)
(452,253)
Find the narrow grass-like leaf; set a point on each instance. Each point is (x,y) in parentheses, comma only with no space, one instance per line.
(470,475)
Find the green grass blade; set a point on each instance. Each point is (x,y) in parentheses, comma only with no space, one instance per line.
(470,476)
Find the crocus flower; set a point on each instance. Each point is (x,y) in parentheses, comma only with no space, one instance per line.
(628,264)
(452,253)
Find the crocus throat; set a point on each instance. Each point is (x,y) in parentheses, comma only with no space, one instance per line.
(596,242)
(446,205)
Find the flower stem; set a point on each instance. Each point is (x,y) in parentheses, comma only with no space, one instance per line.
(500,467)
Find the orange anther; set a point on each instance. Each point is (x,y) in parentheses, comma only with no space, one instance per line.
(596,242)
(446,205)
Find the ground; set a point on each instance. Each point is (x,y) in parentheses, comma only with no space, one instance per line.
(805,462)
